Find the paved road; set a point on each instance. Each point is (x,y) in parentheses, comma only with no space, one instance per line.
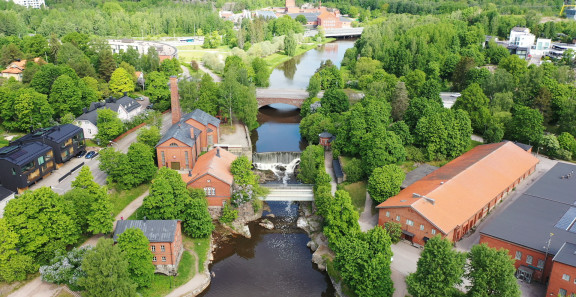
(284,93)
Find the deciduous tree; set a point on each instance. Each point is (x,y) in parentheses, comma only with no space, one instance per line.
(385,182)
(136,248)
(196,220)
(109,125)
(491,273)
(121,81)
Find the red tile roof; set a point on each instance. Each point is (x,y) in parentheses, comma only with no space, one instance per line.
(465,185)
(209,163)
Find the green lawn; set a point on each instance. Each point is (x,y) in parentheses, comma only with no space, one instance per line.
(473,144)
(120,199)
(358,194)
(201,246)
(162,284)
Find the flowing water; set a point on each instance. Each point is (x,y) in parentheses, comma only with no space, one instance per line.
(277,262)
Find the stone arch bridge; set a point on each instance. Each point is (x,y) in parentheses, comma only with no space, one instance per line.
(293,97)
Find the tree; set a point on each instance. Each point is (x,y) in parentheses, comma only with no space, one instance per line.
(381,148)
(314,124)
(136,248)
(13,264)
(491,273)
(314,86)
(109,125)
(495,53)
(341,220)
(107,274)
(475,103)
(567,142)
(157,87)
(142,166)
(399,101)
(335,100)
(106,64)
(167,191)
(66,268)
(395,231)
(439,269)
(53,226)
(121,81)
(526,125)
(385,182)
(65,96)
(311,159)
(196,220)
(10,53)
(245,181)
(92,203)
(302,19)
(150,137)
(290,44)
(76,59)
(261,72)
(30,109)
(460,72)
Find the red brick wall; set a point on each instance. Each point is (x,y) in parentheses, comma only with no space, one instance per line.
(171,249)
(175,154)
(556,282)
(215,133)
(222,189)
(408,213)
(203,135)
(512,248)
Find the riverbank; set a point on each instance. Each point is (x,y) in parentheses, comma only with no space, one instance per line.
(274,60)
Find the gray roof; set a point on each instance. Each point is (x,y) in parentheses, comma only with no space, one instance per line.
(154,230)
(21,154)
(181,131)
(337,168)
(523,146)
(310,16)
(345,19)
(202,117)
(548,206)
(566,254)
(91,114)
(5,193)
(416,174)
(325,134)
(55,133)
(267,14)
(519,29)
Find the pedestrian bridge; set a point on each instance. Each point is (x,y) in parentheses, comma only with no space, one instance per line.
(294,192)
(293,97)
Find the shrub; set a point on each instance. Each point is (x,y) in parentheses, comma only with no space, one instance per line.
(228,214)
(415,154)
(394,230)
(353,170)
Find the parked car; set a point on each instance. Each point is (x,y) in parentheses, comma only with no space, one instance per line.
(81,154)
(90,155)
(455,95)
(151,106)
(140,98)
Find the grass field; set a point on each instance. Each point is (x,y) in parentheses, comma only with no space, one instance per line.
(120,199)
(201,246)
(162,284)
(358,194)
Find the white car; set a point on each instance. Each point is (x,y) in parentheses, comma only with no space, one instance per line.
(456,95)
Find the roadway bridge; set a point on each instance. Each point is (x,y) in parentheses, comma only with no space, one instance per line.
(341,32)
(293,97)
(291,192)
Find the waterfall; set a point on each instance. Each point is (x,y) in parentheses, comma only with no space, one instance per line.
(281,163)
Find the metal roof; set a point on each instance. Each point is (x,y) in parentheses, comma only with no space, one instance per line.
(337,168)
(154,230)
(566,254)
(181,131)
(23,153)
(533,216)
(55,133)
(128,103)
(417,174)
(202,117)
(310,16)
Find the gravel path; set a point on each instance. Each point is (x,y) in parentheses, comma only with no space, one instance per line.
(198,283)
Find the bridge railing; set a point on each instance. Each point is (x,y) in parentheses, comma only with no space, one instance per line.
(288,186)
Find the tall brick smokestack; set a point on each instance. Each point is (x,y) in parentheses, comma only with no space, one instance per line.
(175,100)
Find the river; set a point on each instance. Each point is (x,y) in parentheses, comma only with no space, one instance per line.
(276,262)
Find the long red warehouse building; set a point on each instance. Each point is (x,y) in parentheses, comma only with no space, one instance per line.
(454,198)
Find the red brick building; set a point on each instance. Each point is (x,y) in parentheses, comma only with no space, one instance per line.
(539,231)
(212,174)
(188,136)
(165,238)
(454,198)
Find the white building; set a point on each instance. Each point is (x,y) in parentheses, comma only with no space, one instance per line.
(142,47)
(126,107)
(521,37)
(30,3)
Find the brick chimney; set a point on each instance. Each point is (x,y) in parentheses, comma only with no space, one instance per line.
(175,100)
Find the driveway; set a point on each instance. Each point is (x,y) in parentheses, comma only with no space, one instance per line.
(405,258)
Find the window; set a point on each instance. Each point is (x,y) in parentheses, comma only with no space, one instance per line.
(13,171)
(422,227)
(409,222)
(562,293)
(163,259)
(153,248)
(529,259)
(154,259)
(28,166)
(41,160)
(186,159)
(518,255)
(398,218)
(163,159)
(387,214)
(433,231)
(566,277)
(173,144)
(162,248)
(540,264)
(210,191)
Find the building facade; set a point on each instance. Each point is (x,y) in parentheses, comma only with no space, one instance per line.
(21,165)
(165,238)
(454,198)
(66,141)
(126,107)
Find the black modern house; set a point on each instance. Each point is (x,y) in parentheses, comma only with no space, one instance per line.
(65,140)
(24,164)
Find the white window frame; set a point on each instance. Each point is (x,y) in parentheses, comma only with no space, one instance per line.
(162,248)
(153,248)
(421,227)
(529,259)
(409,222)
(154,259)
(398,218)
(387,214)
(433,231)
(540,264)
(163,259)
(210,191)
(518,255)
(566,277)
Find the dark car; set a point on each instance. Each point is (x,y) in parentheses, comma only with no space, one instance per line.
(81,154)
(90,155)
(151,106)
